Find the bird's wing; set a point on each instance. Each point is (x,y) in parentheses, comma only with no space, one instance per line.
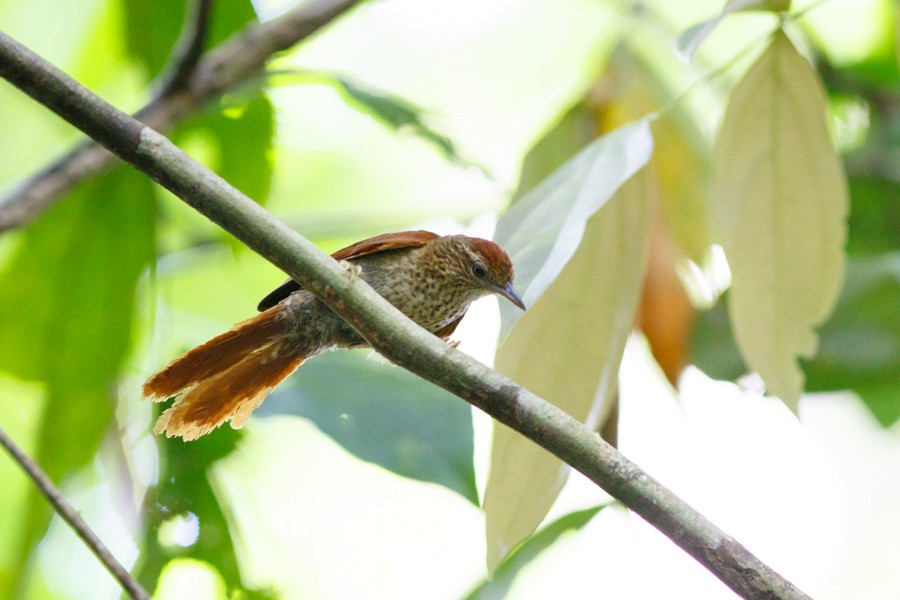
(385,241)
(372,245)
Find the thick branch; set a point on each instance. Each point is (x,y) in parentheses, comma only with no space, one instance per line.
(226,67)
(71,516)
(388,330)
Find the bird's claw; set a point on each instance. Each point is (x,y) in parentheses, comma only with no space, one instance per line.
(353,270)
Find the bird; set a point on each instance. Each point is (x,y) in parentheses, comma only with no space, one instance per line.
(433,279)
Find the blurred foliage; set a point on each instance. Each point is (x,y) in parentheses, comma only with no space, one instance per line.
(497,587)
(385,415)
(241,137)
(184,492)
(152,45)
(394,112)
(66,304)
(80,326)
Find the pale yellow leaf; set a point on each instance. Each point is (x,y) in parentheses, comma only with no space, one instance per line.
(780,210)
(567,349)
(544,227)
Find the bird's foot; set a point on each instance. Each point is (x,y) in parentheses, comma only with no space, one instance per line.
(353,270)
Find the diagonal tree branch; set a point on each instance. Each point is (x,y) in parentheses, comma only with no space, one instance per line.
(225,68)
(388,330)
(188,49)
(71,516)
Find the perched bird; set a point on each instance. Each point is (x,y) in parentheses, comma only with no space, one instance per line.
(432,279)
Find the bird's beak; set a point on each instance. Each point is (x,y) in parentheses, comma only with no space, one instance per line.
(509,292)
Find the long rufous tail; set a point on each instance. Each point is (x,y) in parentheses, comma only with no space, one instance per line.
(225,378)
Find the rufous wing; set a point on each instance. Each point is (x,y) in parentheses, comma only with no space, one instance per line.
(372,245)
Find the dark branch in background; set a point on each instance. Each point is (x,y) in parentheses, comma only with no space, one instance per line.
(220,70)
(188,50)
(71,516)
(388,330)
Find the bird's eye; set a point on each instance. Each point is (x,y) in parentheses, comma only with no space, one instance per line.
(478,270)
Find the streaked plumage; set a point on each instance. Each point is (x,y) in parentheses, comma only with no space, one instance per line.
(432,279)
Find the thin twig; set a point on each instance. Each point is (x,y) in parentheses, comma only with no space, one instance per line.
(188,50)
(71,516)
(226,67)
(388,330)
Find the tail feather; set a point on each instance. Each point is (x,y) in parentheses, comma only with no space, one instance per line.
(225,378)
(219,353)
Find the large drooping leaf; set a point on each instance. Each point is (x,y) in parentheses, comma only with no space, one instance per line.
(567,349)
(780,209)
(66,304)
(860,343)
(497,587)
(693,37)
(543,229)
(384,415)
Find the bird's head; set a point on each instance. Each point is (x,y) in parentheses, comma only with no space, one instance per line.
(488,268)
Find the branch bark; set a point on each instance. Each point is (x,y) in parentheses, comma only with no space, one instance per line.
(71,516)
(188,50)
(225,68)
(389,331)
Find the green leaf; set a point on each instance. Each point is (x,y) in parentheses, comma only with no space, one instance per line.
(689,41)
(384,415)
(243,137)
(874,225)
(152,27)
(860,347)
(391,110)
(713,349)
(184,491)
(780,210)
(399,115)
(542,230)
(236,142)
(66,304)
(498,586)
(567,349)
